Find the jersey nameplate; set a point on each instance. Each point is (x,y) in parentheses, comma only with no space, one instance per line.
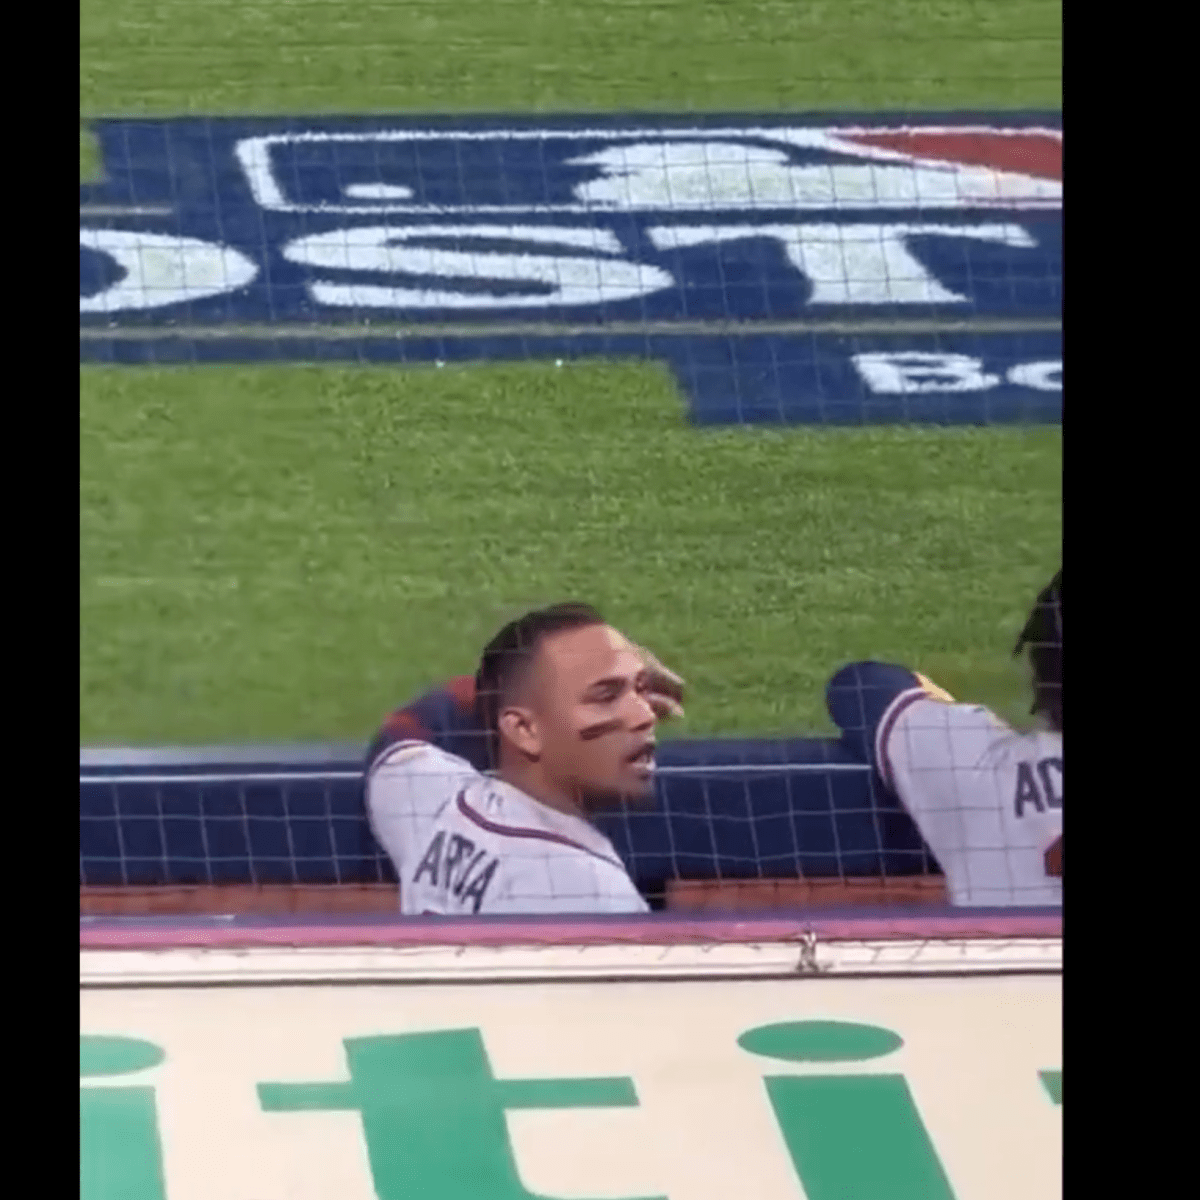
(456,868)
(1039,785)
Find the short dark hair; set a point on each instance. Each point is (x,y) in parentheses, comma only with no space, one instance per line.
(1043,637)
(506,657)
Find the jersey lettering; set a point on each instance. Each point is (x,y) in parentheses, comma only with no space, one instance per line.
(479,884)
(1048,768)
(1049,771)
(433,857)
(454,865)
(459,848)
(1027,790)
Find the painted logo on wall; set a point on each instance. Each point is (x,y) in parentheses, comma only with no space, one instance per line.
(786,268)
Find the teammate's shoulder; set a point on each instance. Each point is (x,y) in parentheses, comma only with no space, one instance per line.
(1000,746)
(926,730)
(1032,744)
(928,704)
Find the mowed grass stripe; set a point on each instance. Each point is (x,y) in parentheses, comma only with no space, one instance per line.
(285,552)
(349,56)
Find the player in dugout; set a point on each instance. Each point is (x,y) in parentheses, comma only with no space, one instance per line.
(480,791)
(987,799)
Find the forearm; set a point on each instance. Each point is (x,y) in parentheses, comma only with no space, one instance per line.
(444,717)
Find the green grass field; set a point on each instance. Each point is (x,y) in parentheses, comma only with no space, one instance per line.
(284,553)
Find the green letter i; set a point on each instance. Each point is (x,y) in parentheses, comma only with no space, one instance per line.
(120,1157)
(851,1137)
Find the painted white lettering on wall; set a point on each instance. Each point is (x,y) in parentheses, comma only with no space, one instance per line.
(853,264)
(488,277)
(913,371)
(162,269)
(1044,376)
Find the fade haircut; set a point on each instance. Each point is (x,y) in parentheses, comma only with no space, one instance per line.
(1043,636)
(506,659)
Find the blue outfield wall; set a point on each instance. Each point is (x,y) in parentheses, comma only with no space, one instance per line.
(723,809)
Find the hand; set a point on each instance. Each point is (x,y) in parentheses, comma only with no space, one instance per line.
(1054,859)
(932,690)
(666,688)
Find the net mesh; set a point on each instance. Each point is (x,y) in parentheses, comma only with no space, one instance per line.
(194,838)
(891,267)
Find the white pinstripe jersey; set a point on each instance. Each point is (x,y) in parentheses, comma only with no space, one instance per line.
(987,800)
(464,843)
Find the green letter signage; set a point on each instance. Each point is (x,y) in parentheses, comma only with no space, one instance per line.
(433,1113)
(120,1157)
(851,1137)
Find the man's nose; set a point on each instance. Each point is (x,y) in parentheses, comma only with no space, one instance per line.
(642,714)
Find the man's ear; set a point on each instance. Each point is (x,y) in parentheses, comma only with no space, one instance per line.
(519,729)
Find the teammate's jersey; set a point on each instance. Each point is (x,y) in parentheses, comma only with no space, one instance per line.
(987,800)
(463,843)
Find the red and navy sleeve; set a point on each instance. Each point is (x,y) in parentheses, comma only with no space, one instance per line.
(860,697)
(445,717)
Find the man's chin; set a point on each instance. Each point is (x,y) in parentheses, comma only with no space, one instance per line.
(642,794)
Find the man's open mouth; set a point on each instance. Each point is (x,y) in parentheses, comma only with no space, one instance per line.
(643,755)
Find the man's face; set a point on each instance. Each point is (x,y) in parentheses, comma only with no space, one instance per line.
(595,726)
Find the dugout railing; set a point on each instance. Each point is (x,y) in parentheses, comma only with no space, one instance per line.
(735,825)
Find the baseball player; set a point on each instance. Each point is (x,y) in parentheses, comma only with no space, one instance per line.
(988,800)
(564,708)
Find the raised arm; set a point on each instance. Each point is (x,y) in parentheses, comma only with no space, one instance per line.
(929,750)
(863,697)
(444,717)
(987,800)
